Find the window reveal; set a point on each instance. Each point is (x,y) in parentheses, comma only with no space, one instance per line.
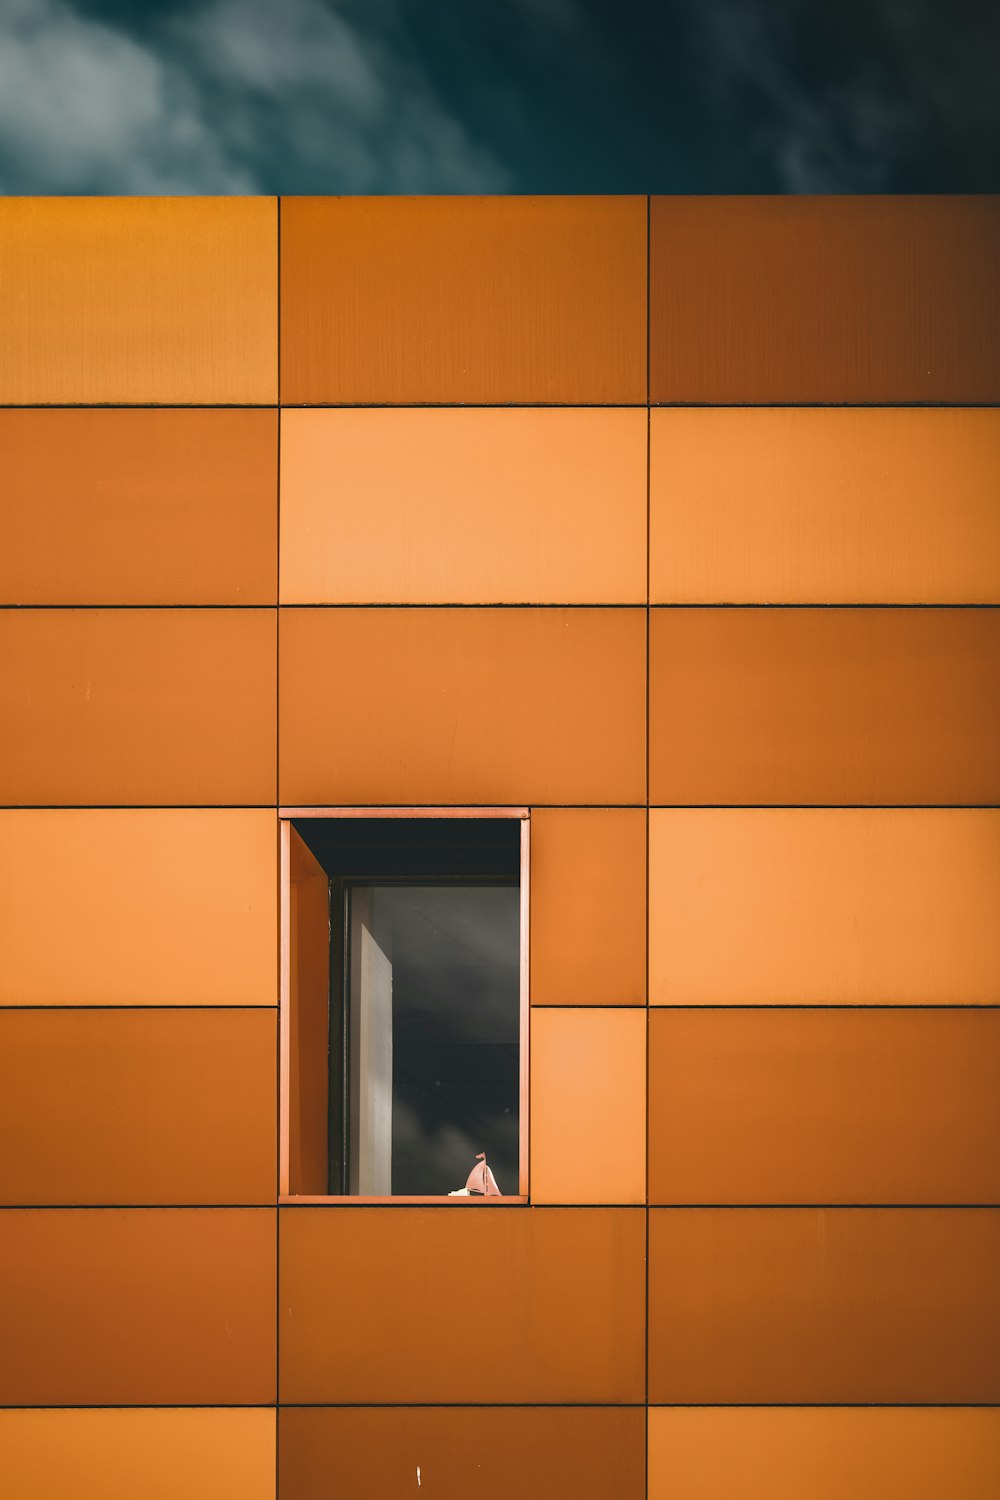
(405,996)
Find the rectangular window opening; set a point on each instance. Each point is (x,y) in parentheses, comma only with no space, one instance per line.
(404,1004)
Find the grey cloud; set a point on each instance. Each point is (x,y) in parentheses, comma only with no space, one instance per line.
(817,136)
(297,44)
(423,96)
(84,108)
(236,96)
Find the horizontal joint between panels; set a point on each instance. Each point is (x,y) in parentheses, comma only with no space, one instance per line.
(826,1207)
(491,1405)
(914,405)
(137,606)
(666,1006)
(267,1206)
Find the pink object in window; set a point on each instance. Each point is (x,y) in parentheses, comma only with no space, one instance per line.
(481,1179)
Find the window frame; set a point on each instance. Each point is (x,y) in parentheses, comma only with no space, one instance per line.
(286,816)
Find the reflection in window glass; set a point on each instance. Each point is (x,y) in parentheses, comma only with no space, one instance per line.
(429,1063)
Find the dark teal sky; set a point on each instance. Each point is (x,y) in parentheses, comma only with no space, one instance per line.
(389,96)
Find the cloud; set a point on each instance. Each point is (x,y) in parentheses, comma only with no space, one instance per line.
(818,133)
(234,96)
(454,96)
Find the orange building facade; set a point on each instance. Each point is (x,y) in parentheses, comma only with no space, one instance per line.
(672,526)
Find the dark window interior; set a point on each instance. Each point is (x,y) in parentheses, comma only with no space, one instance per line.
(424,1000)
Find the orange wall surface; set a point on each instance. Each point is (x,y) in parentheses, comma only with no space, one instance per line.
(137,1306)
(491,1452)
(800,300)
(139,506)
(151,301)
(563,1293)
(495,300)
(588,1105)
(824,706)
(844,1305)
(203,1453)
(534,506)
(768,1453)
(138,1106)
(108,706)
(138,877)
(821,906)
(499,706)
(852,1104)
(670,521)
(824,505)
(588,906)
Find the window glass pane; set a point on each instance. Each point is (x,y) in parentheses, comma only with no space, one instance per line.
(432,1035)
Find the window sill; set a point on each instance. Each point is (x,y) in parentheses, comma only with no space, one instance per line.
(441,1200)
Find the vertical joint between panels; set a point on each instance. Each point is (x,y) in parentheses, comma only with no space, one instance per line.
(277,783)
(649,215)
(646,810)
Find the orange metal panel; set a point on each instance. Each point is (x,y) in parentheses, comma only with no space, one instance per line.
(527,1306)
(139,507)
(207,1454)
(849,906)
(137,1106)
(138,706)
(143,1307)
(462,705)
(138,907)
(824,1106)
(588,906)
(463,299)
(825,299)
(492,1452)
(824,706)
(821,1306)
(869,1453)
(588,1106)
(149,300)
(530,507)
(842,506)
(308,1003)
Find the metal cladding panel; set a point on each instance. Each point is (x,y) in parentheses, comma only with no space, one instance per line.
(824,906)
(492,1451)
(138,1106)
(808,1305)
(813,505)
(463,505)
(478,1302)
(824,706)
(92,1454)
(761,1453)
(139,506)
(828,299)
(464,299)
(137,1306)
(588,1105)
(130,706)
(160,301)
(170,906)
(462,706)
(840,1105)
(588,906)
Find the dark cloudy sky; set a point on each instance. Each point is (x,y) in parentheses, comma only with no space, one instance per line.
(464,96)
